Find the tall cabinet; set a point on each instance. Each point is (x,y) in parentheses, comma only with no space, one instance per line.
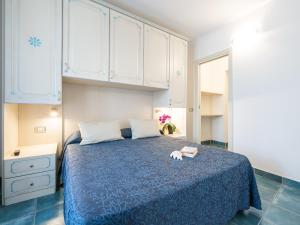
(33,51)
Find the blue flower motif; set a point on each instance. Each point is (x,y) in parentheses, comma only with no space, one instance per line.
(34,42)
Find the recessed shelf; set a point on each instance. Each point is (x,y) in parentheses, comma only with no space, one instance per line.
(211,115)
(210,93)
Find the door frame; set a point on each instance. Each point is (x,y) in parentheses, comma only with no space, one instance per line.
(197,99)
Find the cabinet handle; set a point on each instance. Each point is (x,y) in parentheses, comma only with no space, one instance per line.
(32,184)
(67,67)
(59,95)
(112,74)
(31,166)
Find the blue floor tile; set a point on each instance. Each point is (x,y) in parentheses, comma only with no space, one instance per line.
(50,200)
(53,215)
(279,216)
(14,211)
(267,183)
(27,220)
(266,194)
(246,218)
(269,175)
(288,199)
(265,222)
(291,183)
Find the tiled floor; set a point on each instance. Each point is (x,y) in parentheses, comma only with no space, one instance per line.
(44,210)
(281,206)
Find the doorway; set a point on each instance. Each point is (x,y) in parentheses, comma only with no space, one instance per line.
(213,105)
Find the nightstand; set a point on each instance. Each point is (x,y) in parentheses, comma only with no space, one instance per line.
(30,175)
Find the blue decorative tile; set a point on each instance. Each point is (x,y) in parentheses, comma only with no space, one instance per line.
(289,199)
(279,216)
(14,211)
(246,218)
(291,183)
(27,220)
(53,215)
(267,183)
(269,175)
(50,200)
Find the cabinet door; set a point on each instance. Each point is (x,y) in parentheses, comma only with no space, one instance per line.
(178,69)
(126,49)
(156,57)
(86,40)
(33,51)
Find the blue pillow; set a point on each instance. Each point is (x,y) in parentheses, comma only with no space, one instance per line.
(73,138)
(126,133)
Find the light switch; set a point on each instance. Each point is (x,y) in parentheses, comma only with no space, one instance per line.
(40,130)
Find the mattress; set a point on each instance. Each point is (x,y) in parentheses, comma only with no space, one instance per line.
(136,182)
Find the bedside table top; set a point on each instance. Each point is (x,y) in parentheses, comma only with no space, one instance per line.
(32,151)
(175,135)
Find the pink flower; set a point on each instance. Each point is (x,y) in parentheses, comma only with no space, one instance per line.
(163,118)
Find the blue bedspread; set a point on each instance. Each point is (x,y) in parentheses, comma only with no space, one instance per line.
(135,182)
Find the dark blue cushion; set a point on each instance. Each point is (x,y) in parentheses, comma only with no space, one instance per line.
(126,133)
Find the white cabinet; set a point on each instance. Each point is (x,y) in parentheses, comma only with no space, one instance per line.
(156,57)
(126,49)
(178,72)
(175,96)
(86,40)
(33,51)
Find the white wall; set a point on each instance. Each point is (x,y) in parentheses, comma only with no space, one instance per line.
(190,92)
(20,122)
(265,82)
(91,103)
(11,127)
(31,116)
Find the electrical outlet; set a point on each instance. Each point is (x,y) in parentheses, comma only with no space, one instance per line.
(40,129)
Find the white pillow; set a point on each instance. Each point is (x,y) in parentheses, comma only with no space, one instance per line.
(99,131)
(144,128)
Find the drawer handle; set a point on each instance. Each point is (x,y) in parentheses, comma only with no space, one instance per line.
(32,184)
(31,166)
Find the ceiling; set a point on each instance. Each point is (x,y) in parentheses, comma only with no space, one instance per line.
(190,17)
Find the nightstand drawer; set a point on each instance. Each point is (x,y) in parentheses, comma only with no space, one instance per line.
(19,167)
(29,183)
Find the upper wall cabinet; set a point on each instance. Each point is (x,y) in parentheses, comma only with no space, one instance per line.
(86,40)
(156,57)
(33,51)
(178,71)
(126,49)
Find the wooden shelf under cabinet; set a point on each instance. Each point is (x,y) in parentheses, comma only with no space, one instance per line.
(210,93)
(211,115)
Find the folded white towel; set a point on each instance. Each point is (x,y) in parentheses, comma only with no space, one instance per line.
(190,152)
(176,155)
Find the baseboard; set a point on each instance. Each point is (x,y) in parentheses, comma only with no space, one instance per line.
(280,179)
(217,143)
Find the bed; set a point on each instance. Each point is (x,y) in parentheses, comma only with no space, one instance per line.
(128,182)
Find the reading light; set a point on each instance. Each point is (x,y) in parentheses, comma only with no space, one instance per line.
(53,112)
